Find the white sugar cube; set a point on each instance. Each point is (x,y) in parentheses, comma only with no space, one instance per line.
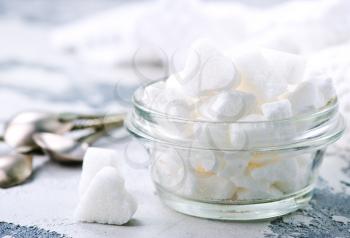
(199,160)
(180,108)
(176,83)
(282,172)
(106,200)
(305,98)
(206,70)
(175,111)
(249,188)
(252,189)
(290,67)
(276,110)
(253,133)
(168,168)
(233,164)
(166,98)
(255,127)
(173,128)
(259,76)
(200,52)
(218,73)
(205,185)
(152,91)
(238,138)
(212,134)
(327,89)
(305,163)
(174,107)
(184,84)
(94,160)
(191,173)
(220,136)
(324,84)
(228,106)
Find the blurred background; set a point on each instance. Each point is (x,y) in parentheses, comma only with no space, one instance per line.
(89,56)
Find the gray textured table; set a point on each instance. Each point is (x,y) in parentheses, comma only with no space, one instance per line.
(34,76)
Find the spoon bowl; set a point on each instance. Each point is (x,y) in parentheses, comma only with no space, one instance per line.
(14,169)
(19,131)
(61,148)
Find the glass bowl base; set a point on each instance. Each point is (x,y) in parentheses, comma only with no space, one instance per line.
(237,212)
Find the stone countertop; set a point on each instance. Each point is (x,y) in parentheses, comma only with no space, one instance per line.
(35,76)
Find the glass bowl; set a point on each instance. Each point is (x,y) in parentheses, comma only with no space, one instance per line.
(234,170)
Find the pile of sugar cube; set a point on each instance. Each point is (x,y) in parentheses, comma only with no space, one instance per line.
(103,197)
(254,85)
(208,175)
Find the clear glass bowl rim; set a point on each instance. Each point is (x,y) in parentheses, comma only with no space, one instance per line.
(331,106)
(329,112)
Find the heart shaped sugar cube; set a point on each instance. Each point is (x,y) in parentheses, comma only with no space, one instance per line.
(106,200)
(94,160)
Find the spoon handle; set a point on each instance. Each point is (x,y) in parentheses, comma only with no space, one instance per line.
(108,121)
(68,116)
(93,137)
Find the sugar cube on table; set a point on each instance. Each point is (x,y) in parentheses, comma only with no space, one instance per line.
(94,160)
(106,200)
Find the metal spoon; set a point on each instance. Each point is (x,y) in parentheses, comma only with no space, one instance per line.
(14,169)
(64,149)
(20,130)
